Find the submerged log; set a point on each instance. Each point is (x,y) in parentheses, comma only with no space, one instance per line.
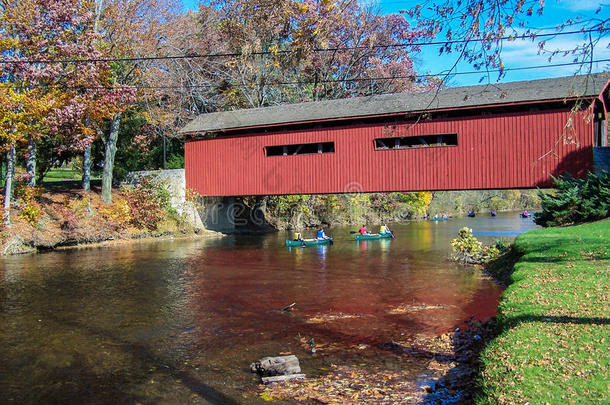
(274,366)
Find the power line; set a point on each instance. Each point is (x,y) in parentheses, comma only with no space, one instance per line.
(330,81)
(337,49)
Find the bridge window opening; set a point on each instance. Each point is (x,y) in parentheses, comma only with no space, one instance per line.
(409,142)
(301,149)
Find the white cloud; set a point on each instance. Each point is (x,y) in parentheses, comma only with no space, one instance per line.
(580,5)
(524,52)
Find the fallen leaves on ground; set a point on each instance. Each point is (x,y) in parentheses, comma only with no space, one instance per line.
(350,385)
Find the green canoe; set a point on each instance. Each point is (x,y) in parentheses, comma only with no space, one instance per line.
(373,236)
(309,242)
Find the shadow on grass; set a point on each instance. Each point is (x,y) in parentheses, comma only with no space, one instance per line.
(68,184)
(503,267)
(517,320)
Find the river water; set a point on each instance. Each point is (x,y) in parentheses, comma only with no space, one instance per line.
(180,321)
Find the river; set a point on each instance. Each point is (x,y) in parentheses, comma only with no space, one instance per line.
(181,321)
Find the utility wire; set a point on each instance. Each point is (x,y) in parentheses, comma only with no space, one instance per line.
(337,49)
(380,78)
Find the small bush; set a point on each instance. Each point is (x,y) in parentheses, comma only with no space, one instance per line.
(80,206)
(575,201)
(468,249)
(148,203)
(119,212)
(175,161)
(31,209)
(31,213)
(68,221)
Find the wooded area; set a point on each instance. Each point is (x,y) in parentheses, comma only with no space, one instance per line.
(99,82)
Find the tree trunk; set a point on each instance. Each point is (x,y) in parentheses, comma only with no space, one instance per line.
(30,163)
(8,184)
(109,159)
(164,153)
(87,169)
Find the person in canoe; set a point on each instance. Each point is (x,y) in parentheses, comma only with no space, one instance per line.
(444,216)
(493,213)
(298,237)
(525,214)
(364,231)
(383,229)
(471,214)
(321,234)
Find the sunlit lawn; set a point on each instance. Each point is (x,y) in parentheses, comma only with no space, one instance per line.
(62,174)
(554,345)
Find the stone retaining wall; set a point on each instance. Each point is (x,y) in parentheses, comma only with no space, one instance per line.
(212,213)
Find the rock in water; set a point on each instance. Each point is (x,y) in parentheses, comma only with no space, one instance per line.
(281,365)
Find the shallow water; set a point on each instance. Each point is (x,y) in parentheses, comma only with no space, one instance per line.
(180,321)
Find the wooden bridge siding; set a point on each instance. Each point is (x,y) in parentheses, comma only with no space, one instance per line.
(493,152)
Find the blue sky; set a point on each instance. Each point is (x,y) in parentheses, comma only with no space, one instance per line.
(516,54)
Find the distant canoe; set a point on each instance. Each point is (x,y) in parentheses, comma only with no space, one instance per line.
(439,219)
(374,236)
(309,242)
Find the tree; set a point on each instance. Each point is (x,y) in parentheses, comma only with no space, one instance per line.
(284,51)
(129,29)
(51,55)
(20,119)
(31,33)
(474,30)
(575,200)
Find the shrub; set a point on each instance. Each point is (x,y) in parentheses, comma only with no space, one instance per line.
(68,221)
(31,209)
(31,213)
(175,161)
(148,203)
(468,249)
(80,206)
(575,200)
(119,212)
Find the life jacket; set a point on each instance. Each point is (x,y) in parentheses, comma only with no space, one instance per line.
(297,236)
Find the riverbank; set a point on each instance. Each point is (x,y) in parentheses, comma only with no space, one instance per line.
(310,211)
(43,220)
(552,345)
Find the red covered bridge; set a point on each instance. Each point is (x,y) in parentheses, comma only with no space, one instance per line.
(496,136)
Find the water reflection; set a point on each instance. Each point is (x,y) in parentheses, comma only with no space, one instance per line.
(177,322)
(322,250)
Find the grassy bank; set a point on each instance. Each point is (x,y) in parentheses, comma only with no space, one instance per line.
(555,321)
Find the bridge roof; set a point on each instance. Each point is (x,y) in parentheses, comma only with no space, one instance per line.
(497,94)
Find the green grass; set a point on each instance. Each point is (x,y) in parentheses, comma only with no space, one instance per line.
(62,175)
(554,343)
